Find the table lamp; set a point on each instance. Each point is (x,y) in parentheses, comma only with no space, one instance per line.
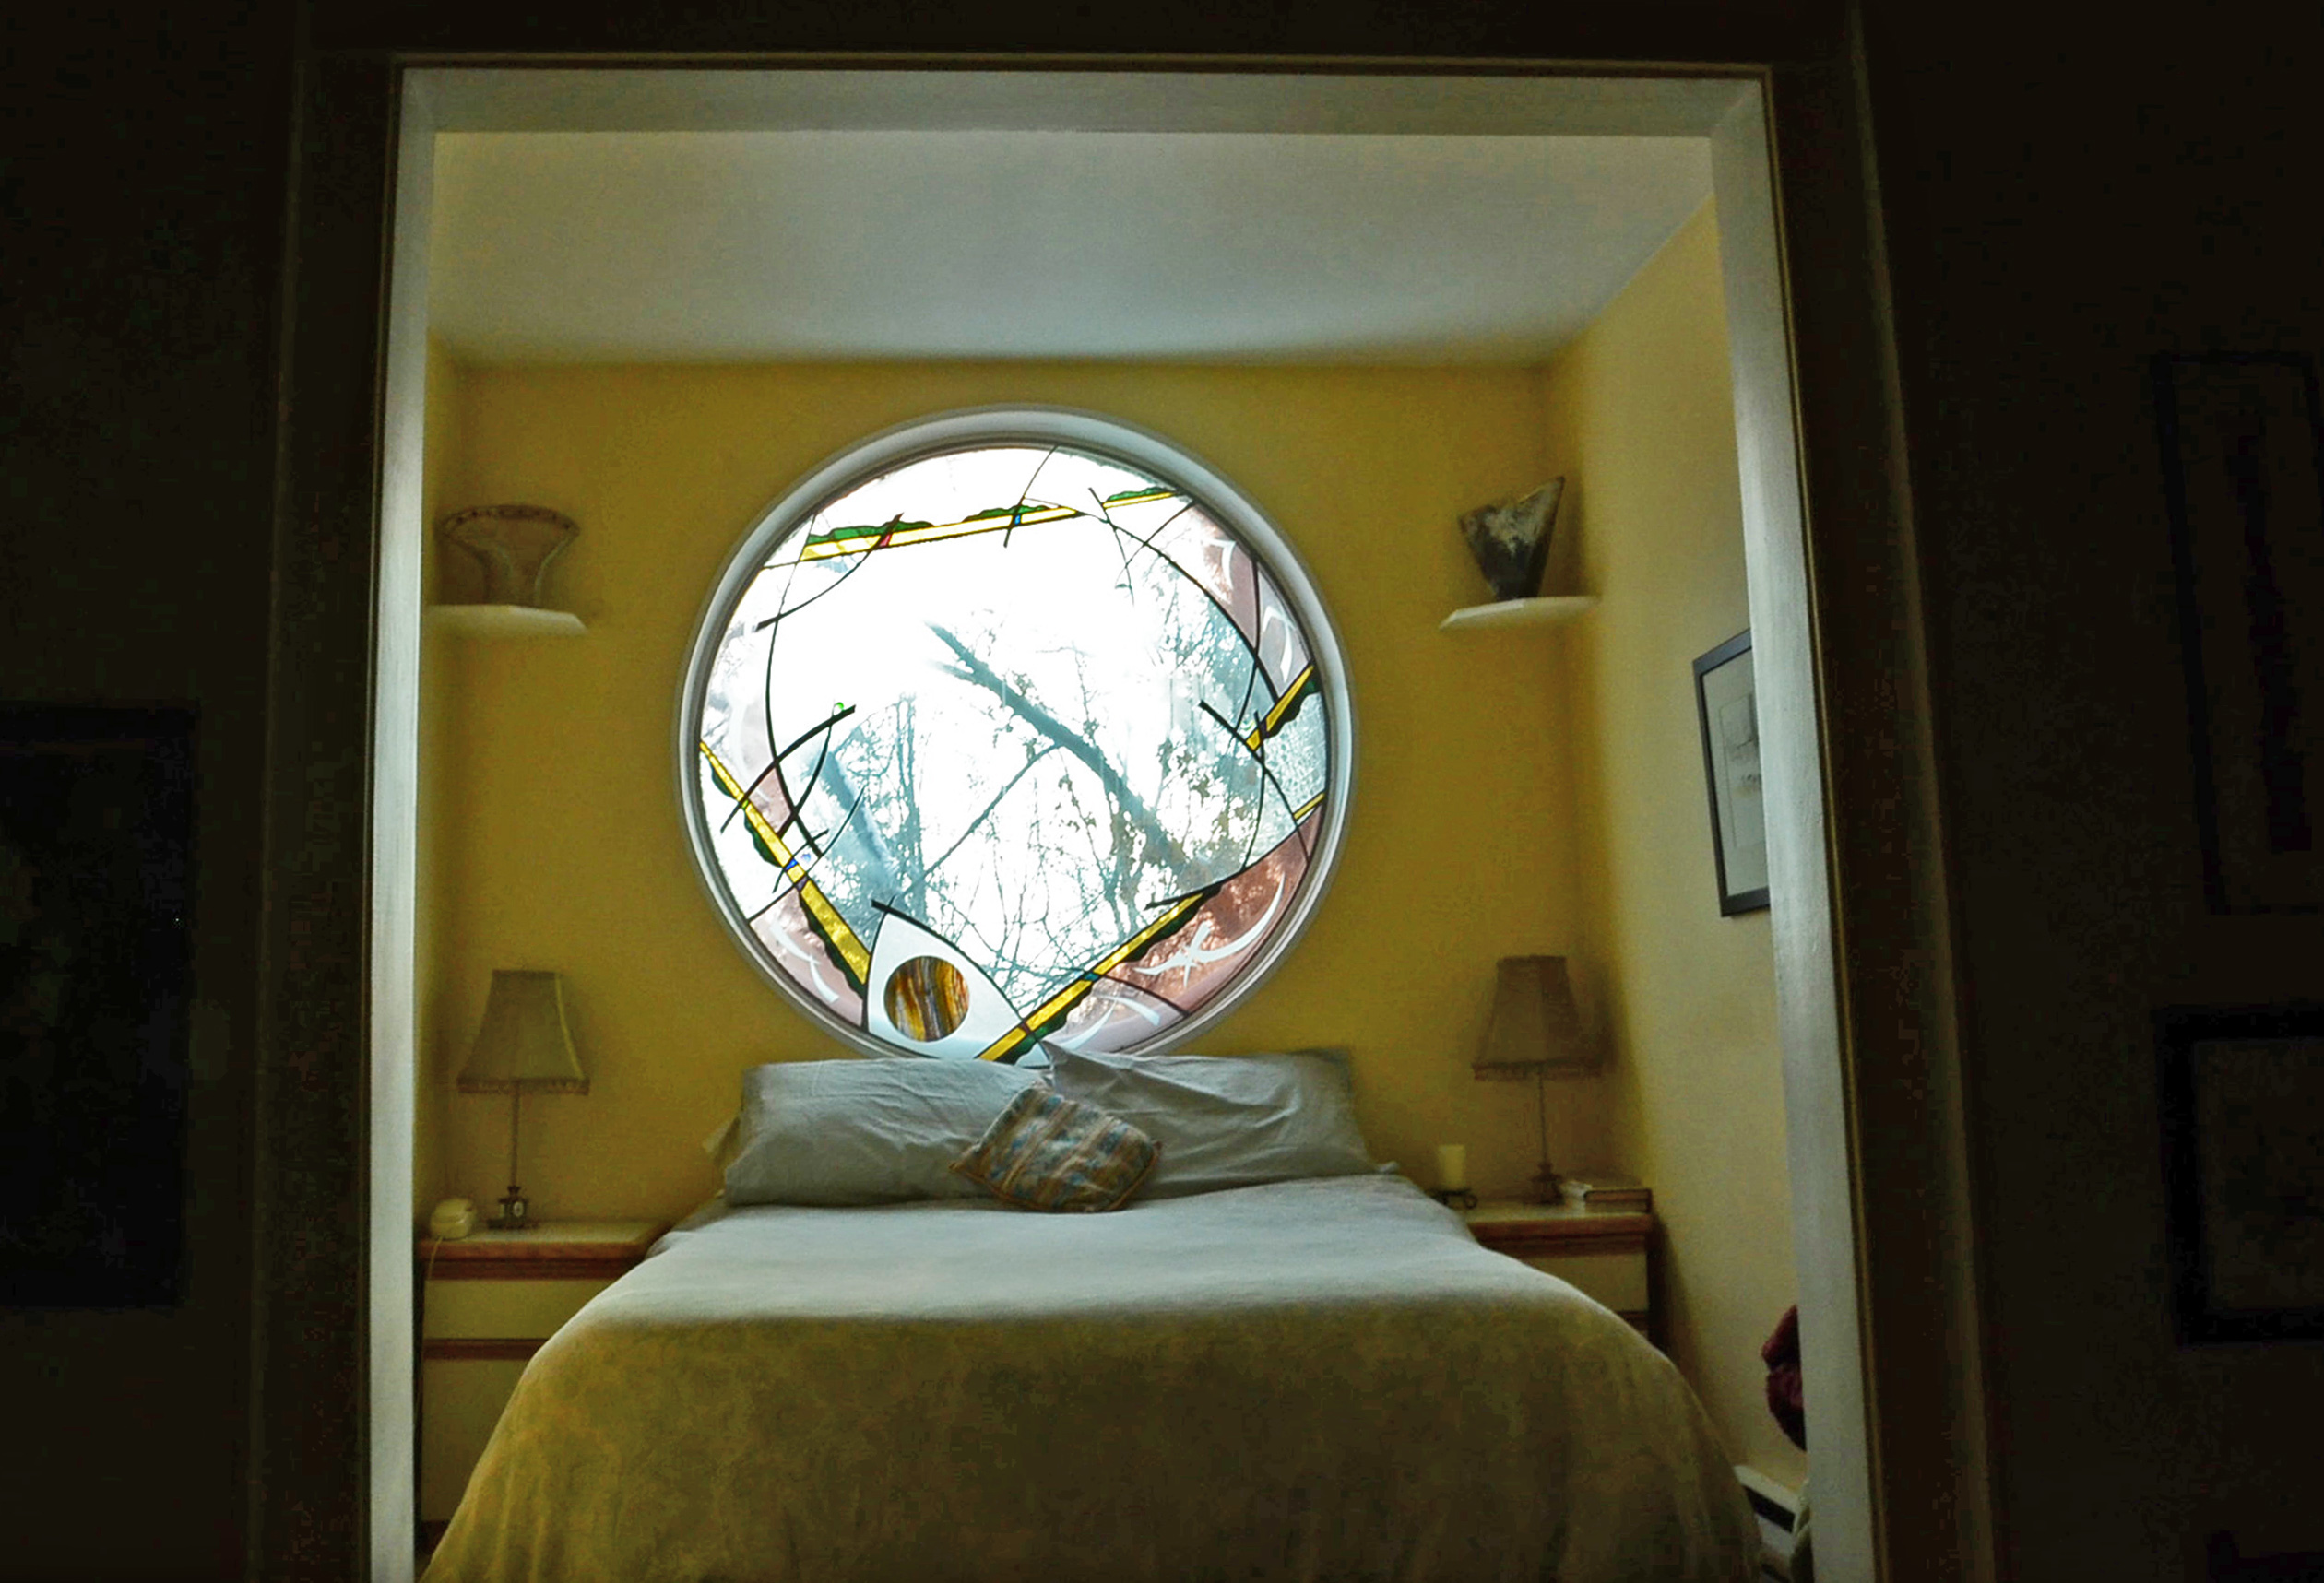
(523,1048)
(1536,1031)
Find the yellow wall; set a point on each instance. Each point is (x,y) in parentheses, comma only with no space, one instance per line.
(1641,416)
(552,816)
(1525,791)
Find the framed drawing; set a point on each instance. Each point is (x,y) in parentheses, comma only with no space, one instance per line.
(1727,703)
(96,882)
(2243,1135)
(2243,461)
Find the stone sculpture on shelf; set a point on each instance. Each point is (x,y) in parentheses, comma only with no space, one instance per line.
(515,544)
(1510,543)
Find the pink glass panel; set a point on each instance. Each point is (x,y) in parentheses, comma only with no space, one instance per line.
(1197,961)
(1113,1016)
(1282,650)
(1218,562)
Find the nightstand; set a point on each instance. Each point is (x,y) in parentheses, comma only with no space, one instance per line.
(1601,1251)
(487,1302)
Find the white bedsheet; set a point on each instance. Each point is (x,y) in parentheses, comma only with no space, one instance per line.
(1313,1380)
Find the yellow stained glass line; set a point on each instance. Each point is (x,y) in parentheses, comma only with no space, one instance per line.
(825,917)
(1045,1015)
(1307,807)
(928,533)
(862,541)
(1301,685)
(1167,920)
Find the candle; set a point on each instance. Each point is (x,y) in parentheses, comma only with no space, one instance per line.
(1452,1166)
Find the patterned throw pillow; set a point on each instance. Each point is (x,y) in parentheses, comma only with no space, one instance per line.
(1049,1153)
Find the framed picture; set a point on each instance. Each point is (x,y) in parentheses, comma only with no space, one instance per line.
(2243,461)
(2243,1133)
(1726,703)
(95,900)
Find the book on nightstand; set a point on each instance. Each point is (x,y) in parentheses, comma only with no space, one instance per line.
(1603,1190)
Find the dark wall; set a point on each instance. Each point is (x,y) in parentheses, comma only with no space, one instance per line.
(2068,196)
(142,163)
(2063,200)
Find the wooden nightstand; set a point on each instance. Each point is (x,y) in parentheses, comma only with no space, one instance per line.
(487,1302)
(1600,1251)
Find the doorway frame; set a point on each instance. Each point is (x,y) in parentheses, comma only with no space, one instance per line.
(1878,1152)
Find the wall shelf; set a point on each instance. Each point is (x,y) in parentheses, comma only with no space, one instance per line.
(1519,613)
(505,622)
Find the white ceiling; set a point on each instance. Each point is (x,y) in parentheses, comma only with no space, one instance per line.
(1234,247)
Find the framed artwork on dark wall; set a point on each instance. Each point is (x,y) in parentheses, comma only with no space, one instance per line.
(2243,461)
(1726,704)
(2243,1136)
(95,900)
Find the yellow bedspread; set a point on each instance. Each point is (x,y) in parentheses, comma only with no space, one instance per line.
(1314,1380)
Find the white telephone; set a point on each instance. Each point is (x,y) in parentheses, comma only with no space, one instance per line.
(452,1219)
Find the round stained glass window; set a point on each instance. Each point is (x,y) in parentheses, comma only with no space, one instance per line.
(1015,730)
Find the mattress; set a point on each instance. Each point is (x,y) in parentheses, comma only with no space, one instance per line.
(1309,1380)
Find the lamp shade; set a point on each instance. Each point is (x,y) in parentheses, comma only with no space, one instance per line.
(1536,1027)
(524,1043)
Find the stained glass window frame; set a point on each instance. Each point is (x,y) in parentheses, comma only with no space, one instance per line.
(1091,434)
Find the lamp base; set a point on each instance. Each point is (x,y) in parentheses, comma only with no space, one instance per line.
(1548,1187)
(516,1211)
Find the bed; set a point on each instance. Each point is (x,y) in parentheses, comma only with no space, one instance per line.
(1305,1379)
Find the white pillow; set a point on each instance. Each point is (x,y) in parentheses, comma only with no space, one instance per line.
(877,1131)
(1227,1121)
